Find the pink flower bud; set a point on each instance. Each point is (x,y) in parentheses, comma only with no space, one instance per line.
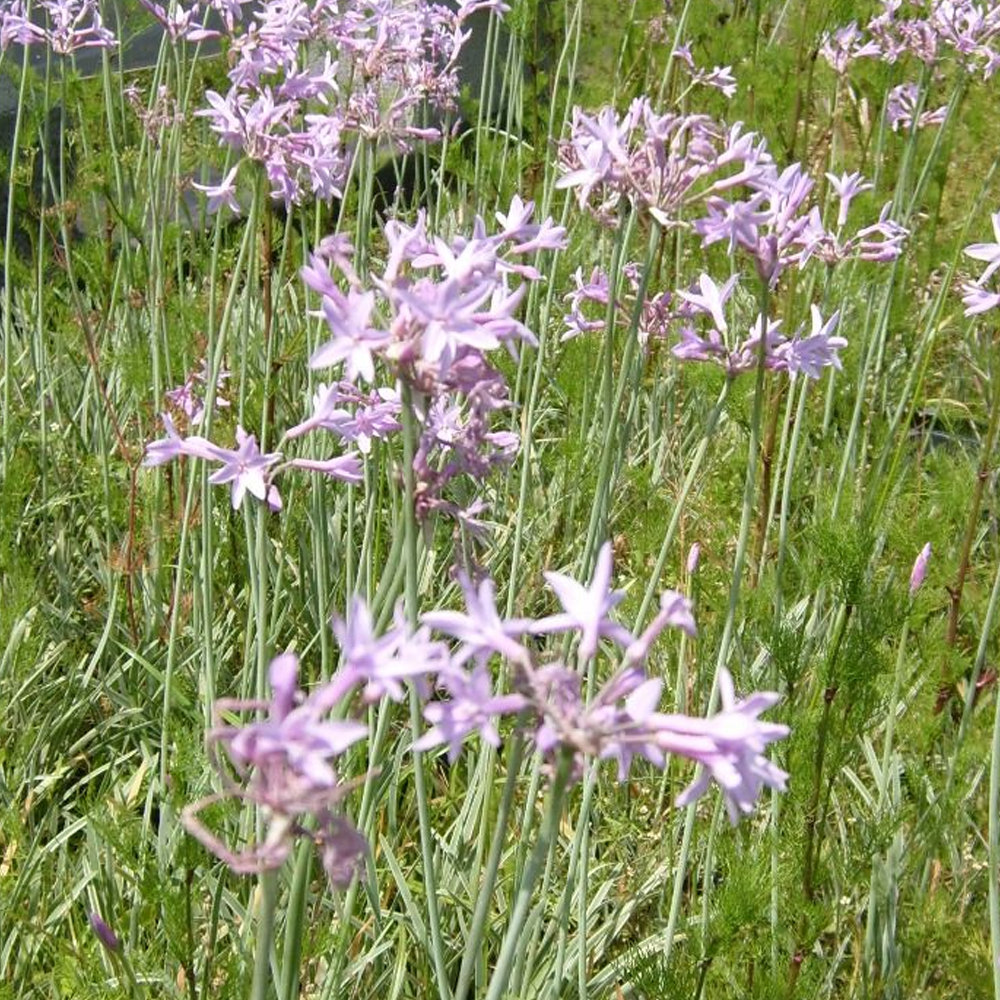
(919,569)
(694,554)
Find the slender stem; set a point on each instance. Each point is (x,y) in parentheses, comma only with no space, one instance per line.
(419,779)
(982,475)
(993,834)
(749,490)
(615,436)
(486,889)
(8,251)
(512,942)
(268,890)
(890,723)
(810,853)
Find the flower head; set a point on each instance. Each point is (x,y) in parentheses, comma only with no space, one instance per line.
(919,569)
(586,609)
(730,747)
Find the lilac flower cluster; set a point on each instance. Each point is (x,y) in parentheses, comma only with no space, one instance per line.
(976,297)
(620,722)
(658,163)
(283,764)
(774,225)
(654,317)
(163,112)
(432,315)
(930,31)
(435,311)
(671,164)
(189,396)
(717,78)
(70,25)
(901,109)
(245,468)
(286,763)
(309,79)
(806,353)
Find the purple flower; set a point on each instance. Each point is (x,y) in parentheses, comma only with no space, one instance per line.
(978,300)
(346,468)
(846,45)
(480,629)
(104,933)
(74,25)
(223,193)
(694,554)
(676,611)
(296,735)
(342,848)
(173,446)
(989,252)
(730,747)
(735,222)
(245,468)
(692,347)
(848,187)
(354,340)
(282,763)
(919,569)
(471,707)
(810,355)
(711,299)
(383,662)
(179,23)
(901,109)
(528,236)
(586,608)
(185,398)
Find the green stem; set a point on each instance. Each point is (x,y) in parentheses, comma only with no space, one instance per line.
(268,886)
(512,942)
(486,889)
(993,834)
(749,489)
(419,779)
(890,722)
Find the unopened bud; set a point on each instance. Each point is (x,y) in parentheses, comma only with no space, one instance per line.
(104,933)
(694,553)
(920,569)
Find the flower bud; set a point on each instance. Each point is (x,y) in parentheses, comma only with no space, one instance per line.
(694,553)
(919,569)
(104,933)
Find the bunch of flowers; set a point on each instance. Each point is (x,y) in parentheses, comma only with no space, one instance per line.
(654,317)
(309,79)
(717,78)
(189,397)
(657,163)
(70,25)
(285,763)
(930,31)
(431,317)
(808,354)
(902,109)
(777,228)
(670,165)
